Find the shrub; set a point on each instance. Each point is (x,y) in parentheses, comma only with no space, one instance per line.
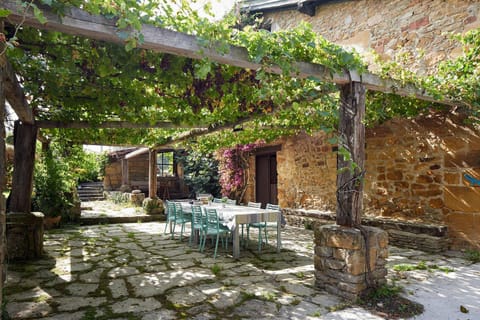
(54,186)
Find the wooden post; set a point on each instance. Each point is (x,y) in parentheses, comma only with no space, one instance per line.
(351,154)
(24,136)
(2,171)
(125,179)
(152,173)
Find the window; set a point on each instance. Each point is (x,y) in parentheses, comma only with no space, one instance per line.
(165,164)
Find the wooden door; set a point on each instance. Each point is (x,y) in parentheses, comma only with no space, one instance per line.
(266,179)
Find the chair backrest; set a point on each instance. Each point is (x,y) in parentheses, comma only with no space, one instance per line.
(217,200)
(204,195)
(231,201)
(212,218)
(171,209)
(178,209)
(257,205)
(197,215)
(272,207)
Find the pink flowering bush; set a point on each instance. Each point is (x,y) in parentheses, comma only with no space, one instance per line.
(233,168)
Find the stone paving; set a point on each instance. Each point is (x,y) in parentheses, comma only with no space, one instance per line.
(134,271)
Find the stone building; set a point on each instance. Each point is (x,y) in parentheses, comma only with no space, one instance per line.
(415,168)
(127,170)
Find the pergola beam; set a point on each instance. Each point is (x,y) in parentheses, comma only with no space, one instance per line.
(80,23)
(14,93)
(50,124)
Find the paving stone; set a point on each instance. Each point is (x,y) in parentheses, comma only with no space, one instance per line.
(92,276)
(80,267)
(257,309)
(182,264)
(210,288)
(156,268)
(186,296)
(351,314)
(248,279)
(81,289)
(326,300)
(79,315)
(123,259)
(36,293)
(118,288)
(75,303)
(226,299)
(25,310)
(128,246)
(161,315)
(122,272)
(298,289)
(136,305)
(301,311)
(148,285)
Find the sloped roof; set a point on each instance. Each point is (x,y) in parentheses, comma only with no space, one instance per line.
(305,6)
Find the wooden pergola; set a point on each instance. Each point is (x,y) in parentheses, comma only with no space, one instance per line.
(352,87)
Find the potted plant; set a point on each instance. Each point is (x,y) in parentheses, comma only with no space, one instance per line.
(153,205)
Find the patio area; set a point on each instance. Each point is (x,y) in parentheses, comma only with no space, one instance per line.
(134,271)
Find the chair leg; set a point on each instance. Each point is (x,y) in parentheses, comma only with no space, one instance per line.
(181,231)
(172,231)
(259,239)
(266,236)
(216,247)
(166,225)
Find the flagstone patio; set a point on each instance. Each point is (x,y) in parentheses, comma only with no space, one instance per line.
(134,271)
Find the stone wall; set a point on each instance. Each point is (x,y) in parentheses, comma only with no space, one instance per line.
(113,176)
(306,168)
(420,28)
(414,172)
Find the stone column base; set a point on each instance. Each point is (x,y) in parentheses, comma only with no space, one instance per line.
(24,235)
(342,265)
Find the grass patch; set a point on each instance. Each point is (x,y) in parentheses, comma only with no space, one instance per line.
(387,302)
(216,269)
(422,265)
(131,235)
(472,255)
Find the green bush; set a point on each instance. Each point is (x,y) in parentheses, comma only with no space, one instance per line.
(54,186)
(201,172)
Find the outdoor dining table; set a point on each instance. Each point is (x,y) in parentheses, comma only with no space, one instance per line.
(233,216)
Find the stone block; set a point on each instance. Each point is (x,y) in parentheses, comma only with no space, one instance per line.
(323,251)
(334,264)
(355,262)
(339,254)
(341,237)
(318,263)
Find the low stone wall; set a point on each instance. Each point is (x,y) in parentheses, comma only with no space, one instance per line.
(426,237)
(24,235)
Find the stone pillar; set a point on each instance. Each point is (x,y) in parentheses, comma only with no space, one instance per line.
(24,235)
(349,263)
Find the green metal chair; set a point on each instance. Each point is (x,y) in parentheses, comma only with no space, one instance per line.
(217,200)
(180,218)
(198,224)
(231,201)
(262,226)
(170,210)
(214,228)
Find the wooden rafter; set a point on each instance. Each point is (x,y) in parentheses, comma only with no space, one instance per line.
(14,93)
(49,124)
(80,23)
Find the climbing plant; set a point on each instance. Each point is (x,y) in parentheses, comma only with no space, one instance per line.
(71,78)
